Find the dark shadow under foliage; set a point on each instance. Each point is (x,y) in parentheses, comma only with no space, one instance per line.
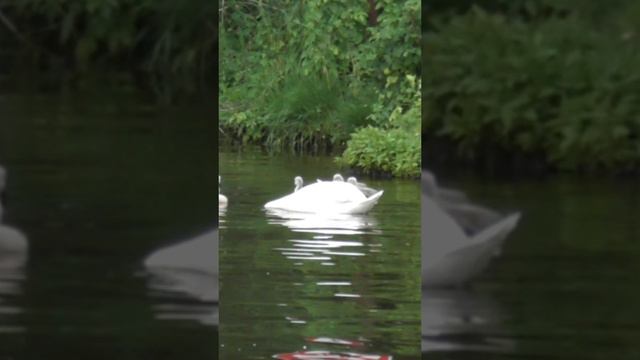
(164,46)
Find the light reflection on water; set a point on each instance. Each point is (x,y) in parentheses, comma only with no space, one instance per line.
(11,282)
(316,285)
(331,238)
(461,320)
(12,278)
(184,295)
(183,280)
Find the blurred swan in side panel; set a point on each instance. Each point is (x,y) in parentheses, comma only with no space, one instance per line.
(189,267)
(3,182)
(197,254)
(440,194)
(450,257)
(222,200)
(13,244)
(337,197)
(13,247)
(449,316)
(471,217)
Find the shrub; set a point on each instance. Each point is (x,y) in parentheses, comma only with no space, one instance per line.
(556,89)
(377,151)
(394,147)
(307,75)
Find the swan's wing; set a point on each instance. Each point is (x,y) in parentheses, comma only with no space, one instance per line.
(438,227)
(369,191)
(472,218)
(451,195)
(456,266)
(198,254)
(496,233)
(362,207)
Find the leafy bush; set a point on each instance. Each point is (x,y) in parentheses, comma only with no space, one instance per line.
(393,148)
(555,89)
(375,150)
(306,75)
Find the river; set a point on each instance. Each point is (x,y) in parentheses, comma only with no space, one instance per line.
(97,182)
(564,285)
(313,283)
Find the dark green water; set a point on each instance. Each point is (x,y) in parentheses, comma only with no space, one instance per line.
(566,286)
(97,184)
(285,282)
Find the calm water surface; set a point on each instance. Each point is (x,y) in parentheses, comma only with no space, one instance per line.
(97,184)
(296,283)
(566,285)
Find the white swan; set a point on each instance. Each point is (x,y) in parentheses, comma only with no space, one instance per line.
(199,253)
(336,177)
(3,178)
(440,194)
(3,182)
(222,200)
(191,268)
(471,217)
(13,247)
(13,243)
(298,182)
(337,197)
(190,261)
(449,256)
(367,191)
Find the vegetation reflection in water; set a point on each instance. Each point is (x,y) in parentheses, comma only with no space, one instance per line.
(299,283)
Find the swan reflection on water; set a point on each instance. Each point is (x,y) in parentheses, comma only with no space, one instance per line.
(324,246)
(13,259)
(184,277)
(14,248)
(325,224)
(333,236)
(460,320)
(459,239)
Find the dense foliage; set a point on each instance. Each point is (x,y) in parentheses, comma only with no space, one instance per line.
(310,76)
(538,82)
(169,44)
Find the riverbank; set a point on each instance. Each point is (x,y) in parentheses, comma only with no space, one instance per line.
(338,78)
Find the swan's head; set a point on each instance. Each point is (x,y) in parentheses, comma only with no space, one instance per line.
(338,177)
(3,178)
(352,180)
(297,181)
(429,183)
(3,182)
